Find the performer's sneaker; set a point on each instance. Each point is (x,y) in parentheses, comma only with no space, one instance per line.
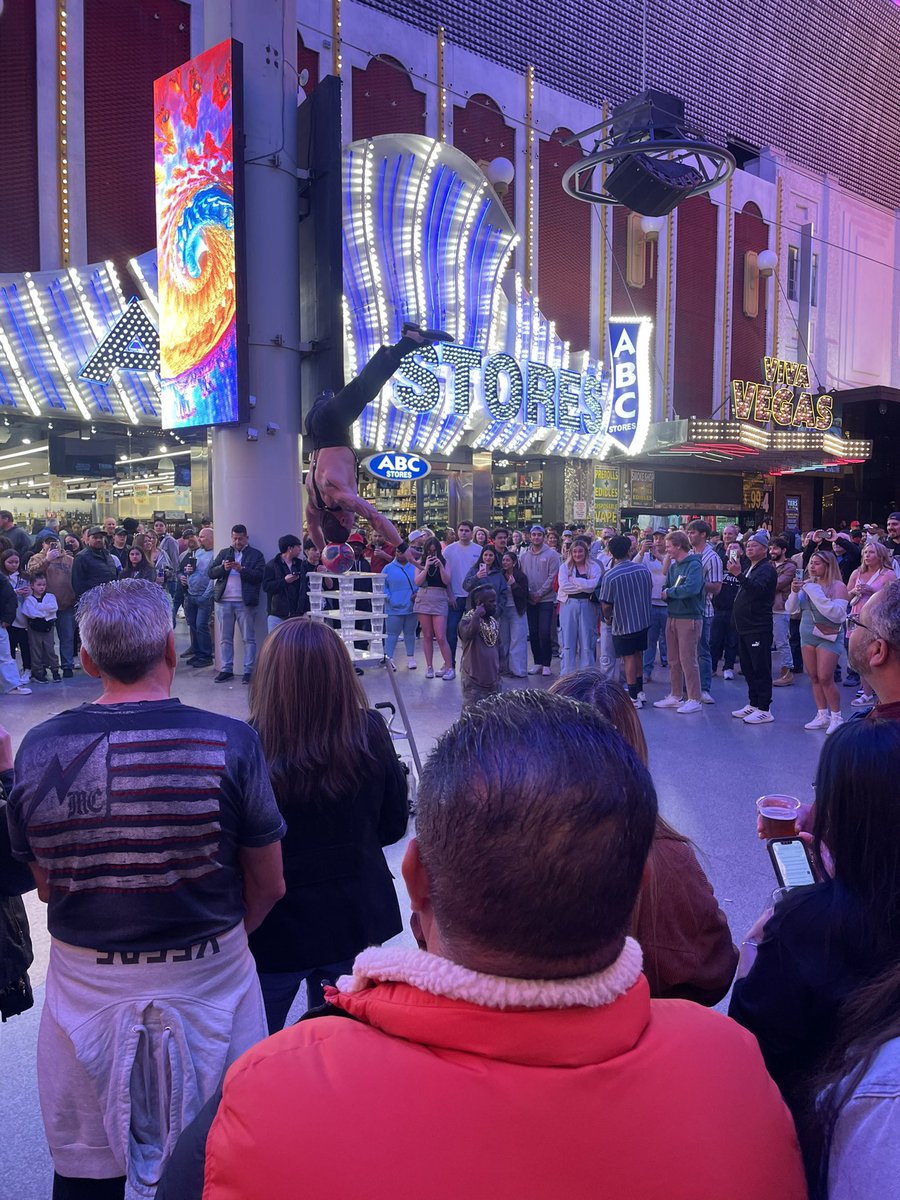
(427,335)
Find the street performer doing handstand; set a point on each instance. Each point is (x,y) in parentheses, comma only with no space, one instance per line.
(332,498)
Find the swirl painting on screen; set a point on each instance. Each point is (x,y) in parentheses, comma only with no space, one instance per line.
(195,233)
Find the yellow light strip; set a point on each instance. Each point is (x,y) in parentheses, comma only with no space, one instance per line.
(529,178)
(63,130)
(336,62)
(441,87)
(726,297)
(601,291)
(667,335)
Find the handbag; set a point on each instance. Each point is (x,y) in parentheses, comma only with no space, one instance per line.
(16,998)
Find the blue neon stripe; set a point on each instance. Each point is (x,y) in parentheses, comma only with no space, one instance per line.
(450,188)
(29,350)
(78,346)
(432,249)
(475,248)
(486,274)
(405,304)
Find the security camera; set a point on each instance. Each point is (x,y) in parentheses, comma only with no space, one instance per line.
(272,428)
(252,434)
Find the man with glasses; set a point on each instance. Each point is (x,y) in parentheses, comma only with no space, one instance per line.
(873,649)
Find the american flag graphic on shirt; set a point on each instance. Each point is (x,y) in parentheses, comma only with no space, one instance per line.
(151,824)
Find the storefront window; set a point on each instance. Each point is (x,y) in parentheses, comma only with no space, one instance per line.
(396,501)
(518,496)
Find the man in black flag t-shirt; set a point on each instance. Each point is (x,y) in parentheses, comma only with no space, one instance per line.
(154,837)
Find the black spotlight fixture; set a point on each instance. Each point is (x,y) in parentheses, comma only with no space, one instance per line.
(656,159)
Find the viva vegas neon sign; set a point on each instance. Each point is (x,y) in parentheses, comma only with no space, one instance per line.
(784,398)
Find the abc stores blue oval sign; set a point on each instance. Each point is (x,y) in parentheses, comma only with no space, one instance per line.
(397,466)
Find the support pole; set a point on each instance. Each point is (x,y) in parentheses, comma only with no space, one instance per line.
(257,483)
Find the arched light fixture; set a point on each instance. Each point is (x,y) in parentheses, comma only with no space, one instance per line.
(657,160)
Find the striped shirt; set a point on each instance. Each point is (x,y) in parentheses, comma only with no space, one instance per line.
(712,573)
(137,812)
(628,586)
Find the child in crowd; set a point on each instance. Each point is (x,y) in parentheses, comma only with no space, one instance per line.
(39,610)
(479,631)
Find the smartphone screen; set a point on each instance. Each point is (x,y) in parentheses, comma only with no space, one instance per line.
(790,858)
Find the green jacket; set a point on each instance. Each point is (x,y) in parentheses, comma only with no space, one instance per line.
(686,599)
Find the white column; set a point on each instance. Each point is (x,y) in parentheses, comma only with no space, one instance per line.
(257,483)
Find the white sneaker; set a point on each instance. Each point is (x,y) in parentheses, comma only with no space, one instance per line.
(26,676)
(706,698)
(429,674)
(728,674)
(19,691)
(642,696)
(668,702)
(637,702)
(535,670)
(758,717)
(820,721)
(411,664)
(689,706)
(862,702)
(835,721)
(449,674)
(546,671)
(741,713)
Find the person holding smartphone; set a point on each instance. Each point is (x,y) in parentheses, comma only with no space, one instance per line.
(237,573)
(284,582)
(431,604)
(824,944)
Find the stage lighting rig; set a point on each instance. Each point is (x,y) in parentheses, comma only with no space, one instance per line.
(656,159)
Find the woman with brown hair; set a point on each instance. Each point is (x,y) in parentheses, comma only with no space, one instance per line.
(343,793)
(138,565)
(688,952)
(431,606)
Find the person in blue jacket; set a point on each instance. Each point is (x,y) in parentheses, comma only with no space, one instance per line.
(399,592)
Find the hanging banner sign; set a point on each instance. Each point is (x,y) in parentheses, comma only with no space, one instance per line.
(629,364)
(642,487)
(57,490)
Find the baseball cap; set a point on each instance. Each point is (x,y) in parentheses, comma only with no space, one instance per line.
(537,529)
(424,532)
(96,530)
(357,538)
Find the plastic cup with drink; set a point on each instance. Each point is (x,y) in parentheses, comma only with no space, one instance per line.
(778,815)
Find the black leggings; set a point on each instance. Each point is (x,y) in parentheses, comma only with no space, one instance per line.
(18,638)
(87,1189)
(329,420)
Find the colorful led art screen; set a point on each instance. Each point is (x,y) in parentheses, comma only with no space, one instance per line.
(199,234)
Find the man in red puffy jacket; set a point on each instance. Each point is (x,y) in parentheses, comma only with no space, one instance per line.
(516,1052)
